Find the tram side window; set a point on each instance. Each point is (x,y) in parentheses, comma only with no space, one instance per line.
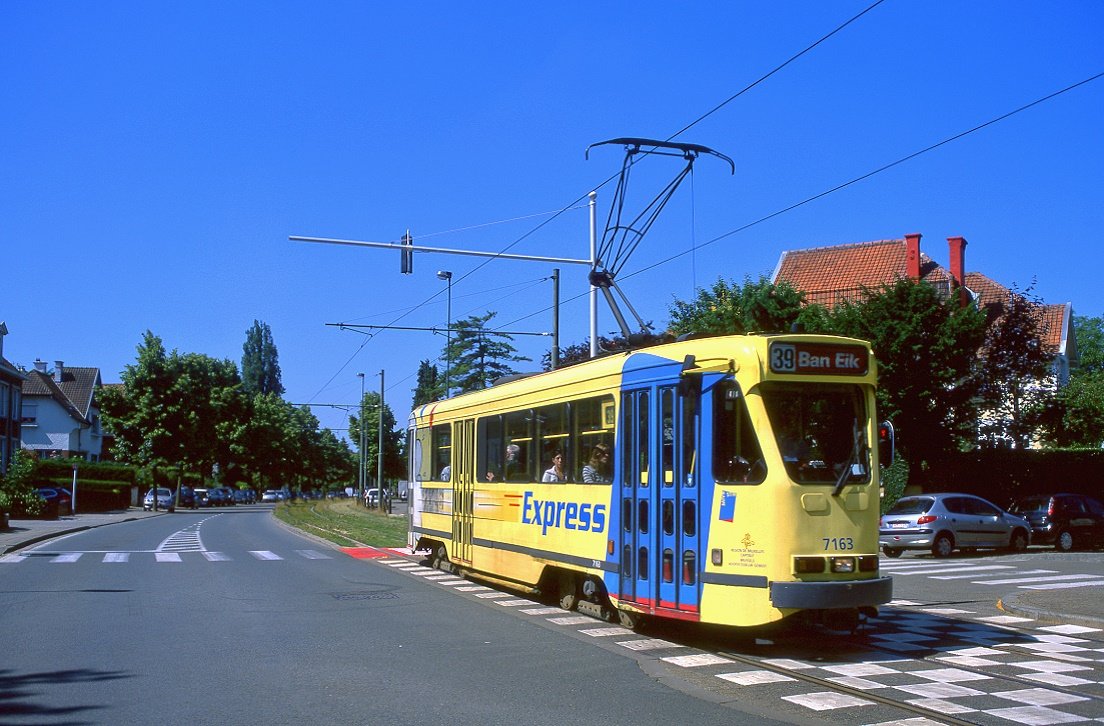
(690,420)
(506,447)
(553,435)
(491,451)
(421,461)
(517,466)
(737,457)
(592,426)
(442,451)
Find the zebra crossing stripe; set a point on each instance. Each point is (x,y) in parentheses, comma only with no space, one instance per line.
(1063,585)
(116,557)
(265,555)
(216,557)
(12,559)
(167,556)
(1017,581)
(67,558)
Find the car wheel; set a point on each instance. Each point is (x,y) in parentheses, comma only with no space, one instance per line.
(943,546)
(1018,543)
(1064,541)
(892,551)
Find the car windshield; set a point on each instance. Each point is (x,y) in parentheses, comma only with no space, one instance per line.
(912,505)
(1031,504)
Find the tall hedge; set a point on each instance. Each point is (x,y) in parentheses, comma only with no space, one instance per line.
(1002,476)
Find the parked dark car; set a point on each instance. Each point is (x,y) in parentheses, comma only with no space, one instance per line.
(187,498)
(216,497)
(58,501)
(943,523)
(228,496)
(202,497)
(1067,521)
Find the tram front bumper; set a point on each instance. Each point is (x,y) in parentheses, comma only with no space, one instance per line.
(831,595)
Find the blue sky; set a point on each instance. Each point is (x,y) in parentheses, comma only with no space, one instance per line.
(155,158)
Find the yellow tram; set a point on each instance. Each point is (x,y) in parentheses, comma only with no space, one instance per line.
(727,480)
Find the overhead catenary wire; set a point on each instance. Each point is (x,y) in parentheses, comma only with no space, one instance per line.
(573,204)
(844,185)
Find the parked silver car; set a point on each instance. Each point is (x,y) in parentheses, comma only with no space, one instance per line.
(943,523)
(164,499)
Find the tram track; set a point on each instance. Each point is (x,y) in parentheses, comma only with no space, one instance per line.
(801,642)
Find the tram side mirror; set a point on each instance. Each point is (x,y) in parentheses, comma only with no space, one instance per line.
(886,445)
(690,378)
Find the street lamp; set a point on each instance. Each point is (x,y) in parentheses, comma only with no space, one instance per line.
(360,474)
(447,277)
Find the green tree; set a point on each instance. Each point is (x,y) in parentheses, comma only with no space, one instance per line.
(205,403)
(1075,416)
(173,409)
(338,461)
(266,441)
(260,367)
(1089,333)
(136,413)
(480,356)
(754,307)
(926,349)
(429,387)
(1015,366)
(393,463)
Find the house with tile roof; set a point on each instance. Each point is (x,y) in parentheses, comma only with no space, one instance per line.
(11,404)
(831,275)
(60,415)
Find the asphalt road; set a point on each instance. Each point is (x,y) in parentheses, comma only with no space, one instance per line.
(228,618)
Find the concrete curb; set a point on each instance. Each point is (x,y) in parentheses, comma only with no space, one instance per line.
(1014,605)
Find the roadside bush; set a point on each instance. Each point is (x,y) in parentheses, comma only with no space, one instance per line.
(17,487)
(894,480)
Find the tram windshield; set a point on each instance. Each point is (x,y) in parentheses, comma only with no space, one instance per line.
(820,431)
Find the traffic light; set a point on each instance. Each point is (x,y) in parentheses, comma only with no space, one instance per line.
(406,267)
(886,446)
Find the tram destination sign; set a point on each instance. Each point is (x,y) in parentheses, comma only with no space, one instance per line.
(818,359)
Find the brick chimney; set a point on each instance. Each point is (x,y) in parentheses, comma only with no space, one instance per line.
(59,371)
(957,247)
(40,365)
(912,256)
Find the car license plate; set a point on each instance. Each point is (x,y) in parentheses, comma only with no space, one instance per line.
(898,525)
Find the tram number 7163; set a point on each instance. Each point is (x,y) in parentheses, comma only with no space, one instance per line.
(838,543)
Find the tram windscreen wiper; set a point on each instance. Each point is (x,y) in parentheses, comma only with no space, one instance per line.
(858,446)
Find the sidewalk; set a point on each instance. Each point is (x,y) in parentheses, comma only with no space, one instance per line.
(25,532)
(1082,606)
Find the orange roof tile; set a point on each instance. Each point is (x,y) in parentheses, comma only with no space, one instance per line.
(828,275)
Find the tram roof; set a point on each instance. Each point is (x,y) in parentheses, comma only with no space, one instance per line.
(603,375)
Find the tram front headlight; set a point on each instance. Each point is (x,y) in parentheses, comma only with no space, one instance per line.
(843,564)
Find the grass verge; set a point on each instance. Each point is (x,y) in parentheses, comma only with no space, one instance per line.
(344,522)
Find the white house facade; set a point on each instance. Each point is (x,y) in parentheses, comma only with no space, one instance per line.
(60,418)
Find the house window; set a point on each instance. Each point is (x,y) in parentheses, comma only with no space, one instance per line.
(30,414)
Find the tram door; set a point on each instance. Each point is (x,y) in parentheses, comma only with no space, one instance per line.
(659,491)
(463,481)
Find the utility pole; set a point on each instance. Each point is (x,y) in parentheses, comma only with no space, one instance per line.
(361,474)
(593,265)
(379,452)
(555,318)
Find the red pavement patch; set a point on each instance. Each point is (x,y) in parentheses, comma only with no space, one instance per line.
(364,553)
